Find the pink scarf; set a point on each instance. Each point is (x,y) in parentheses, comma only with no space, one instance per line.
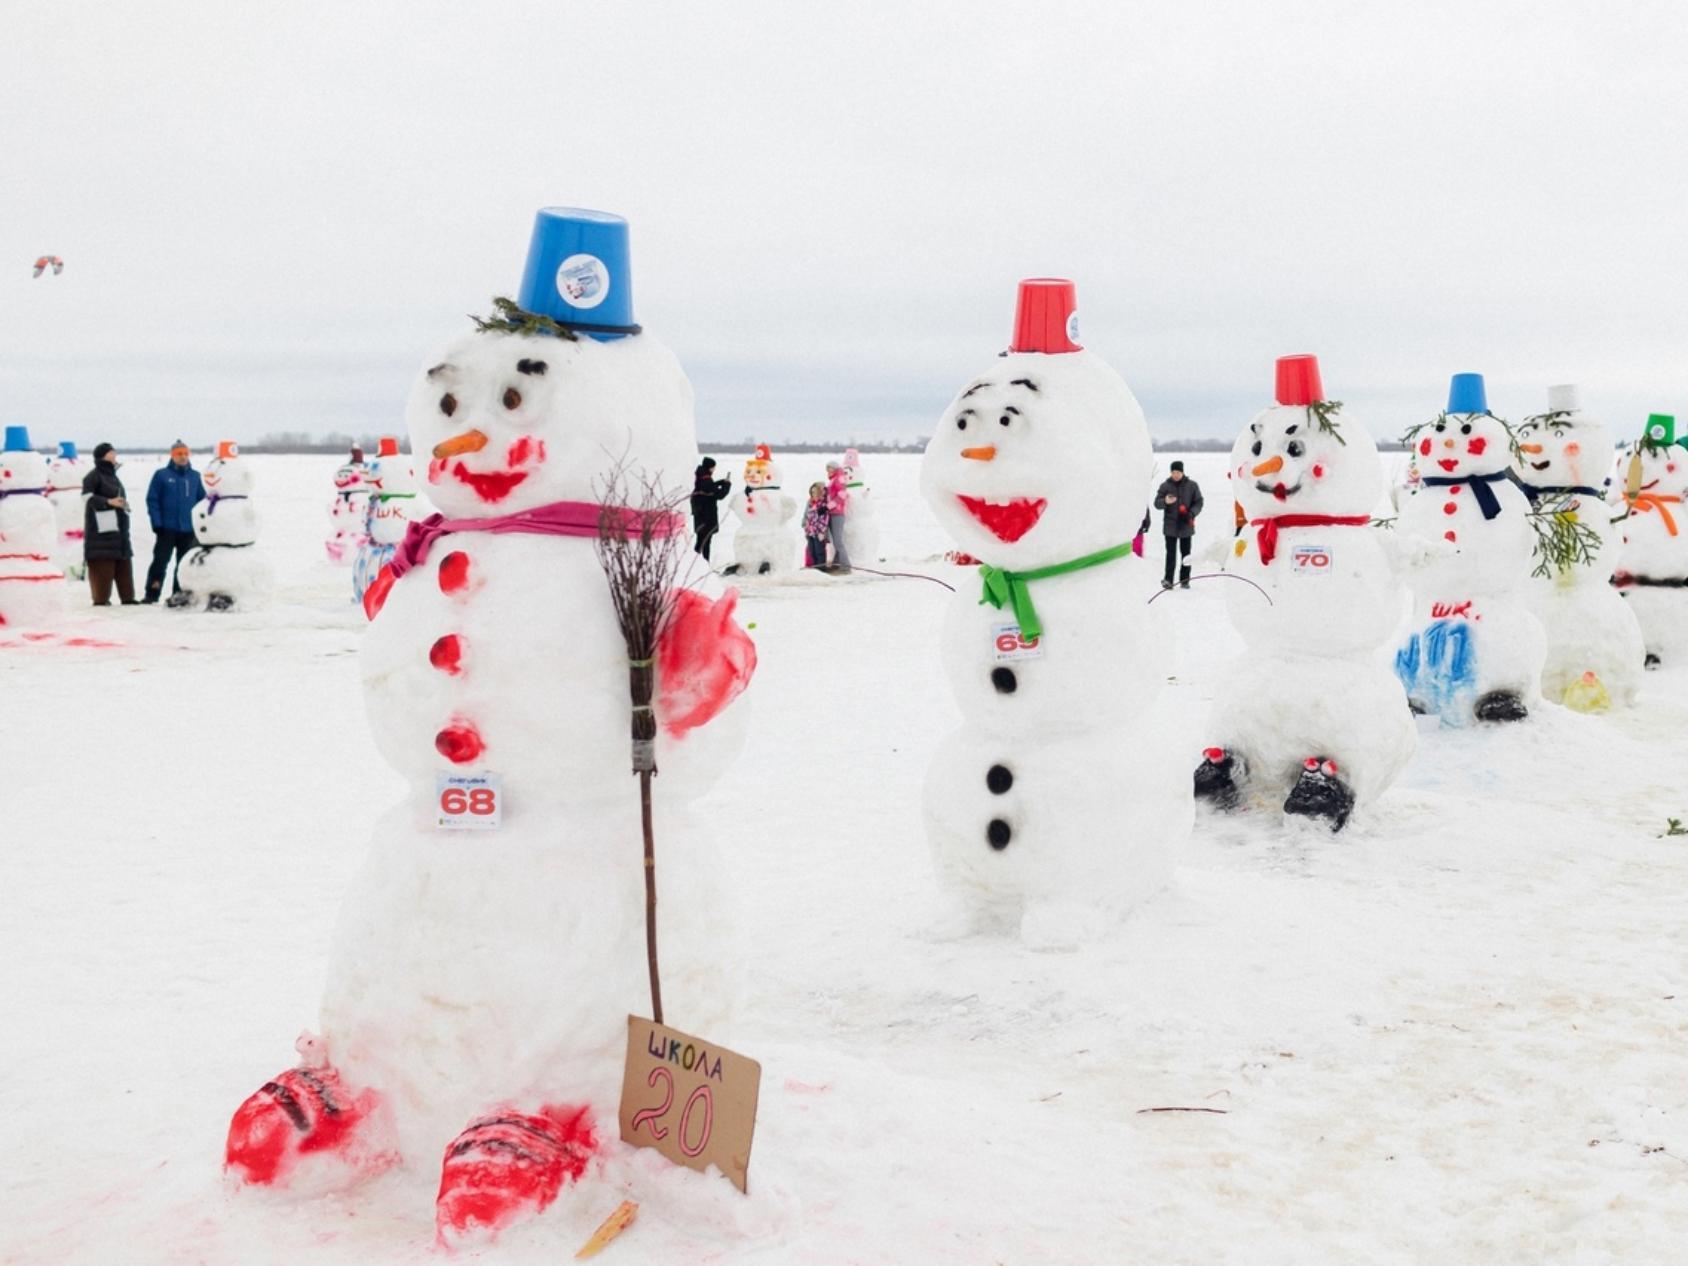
(560,518)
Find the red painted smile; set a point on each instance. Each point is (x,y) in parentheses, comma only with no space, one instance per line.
(492,486)
(1448,463)
(1007,521)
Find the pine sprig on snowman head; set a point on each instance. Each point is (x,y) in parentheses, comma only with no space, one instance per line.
(1563,543)
(511,319)
(1414,431)
(1551,418)
(1322,414)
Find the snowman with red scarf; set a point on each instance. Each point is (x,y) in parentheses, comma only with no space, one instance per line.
(1049,808)
(480,982)
(1309,716)
(1472,649)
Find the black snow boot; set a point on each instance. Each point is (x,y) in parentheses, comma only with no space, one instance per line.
(1501,705)
(219,602)
(181,598)
(1217,778)
(1321,793)
(764,569)
(1184,578)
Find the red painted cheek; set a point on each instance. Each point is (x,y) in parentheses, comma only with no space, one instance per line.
(460,742)
(436,469)
(1477,445)
(1424,447)
(446,654)
(519,452)
(1318,472)
(454,572)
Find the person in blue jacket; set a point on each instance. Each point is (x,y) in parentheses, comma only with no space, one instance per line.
(175,489)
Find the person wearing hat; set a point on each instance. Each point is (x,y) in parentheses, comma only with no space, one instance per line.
(105,532)
(171,496)
(1180,501)
(707,492)
(838,506)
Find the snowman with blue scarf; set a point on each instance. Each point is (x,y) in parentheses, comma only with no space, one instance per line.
(1472,650)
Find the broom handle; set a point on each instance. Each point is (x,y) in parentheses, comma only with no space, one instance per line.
(650,893)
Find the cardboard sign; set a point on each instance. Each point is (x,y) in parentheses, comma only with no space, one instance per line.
(468,802)
(693,1101)
(1310,560)
(1008,645)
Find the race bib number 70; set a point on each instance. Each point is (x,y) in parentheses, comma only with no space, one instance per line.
(1310,560)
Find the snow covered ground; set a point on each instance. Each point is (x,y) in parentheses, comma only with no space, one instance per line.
(1458,1033)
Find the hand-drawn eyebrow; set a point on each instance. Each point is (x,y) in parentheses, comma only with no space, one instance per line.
(978,386)
(525,366)
(1008,408)
(442,368)
(965,413)
(1291,430)
(1027,383)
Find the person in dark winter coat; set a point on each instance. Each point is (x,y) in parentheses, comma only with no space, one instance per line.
(707,491)
(171,496)
(105,531)
(1180,501)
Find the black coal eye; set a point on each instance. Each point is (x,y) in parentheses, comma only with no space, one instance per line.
(448,404)
(1441,426)
(1256,448)
(1004,420)
(1296,448)
(1465,428)
(512,398)
(961,424)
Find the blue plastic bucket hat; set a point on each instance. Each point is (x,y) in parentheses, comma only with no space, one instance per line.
(67,448)
(579,272)
(17,440)
(1466,394)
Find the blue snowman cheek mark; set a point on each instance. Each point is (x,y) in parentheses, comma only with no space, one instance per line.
(1438,667)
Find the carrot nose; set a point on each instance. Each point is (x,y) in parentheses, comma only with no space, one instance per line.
(1271,467)
(1529,448)
(983,454)
(468,442)
(1447,443)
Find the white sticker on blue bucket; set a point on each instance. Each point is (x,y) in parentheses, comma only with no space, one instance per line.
(583,281)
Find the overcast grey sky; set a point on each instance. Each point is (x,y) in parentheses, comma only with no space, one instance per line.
(270,213)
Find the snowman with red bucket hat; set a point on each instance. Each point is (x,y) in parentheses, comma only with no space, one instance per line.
(1046,809)
(1310,715)
(474,1023)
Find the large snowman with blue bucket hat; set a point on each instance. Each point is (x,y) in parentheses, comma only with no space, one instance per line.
(480,981)
(1472,649)
(31,575)
(1051,810)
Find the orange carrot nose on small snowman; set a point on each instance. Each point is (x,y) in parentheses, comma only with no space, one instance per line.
(467,442)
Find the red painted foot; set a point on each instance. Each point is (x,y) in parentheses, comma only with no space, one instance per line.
(305,1115)
(704,660)
(510,1166)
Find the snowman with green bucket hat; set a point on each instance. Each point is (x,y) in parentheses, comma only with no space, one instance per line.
(1652,572)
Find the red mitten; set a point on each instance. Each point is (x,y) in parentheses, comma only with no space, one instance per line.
(704,661)
(376,595)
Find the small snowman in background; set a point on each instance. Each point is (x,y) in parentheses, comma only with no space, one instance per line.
(393,506)
(861,521)
(225,571)
(32,591)
(65,472)
(1309,713)
(1050,806)
(1472,649)
(1594,647)
(1652,573)
(765,542)
(348,516)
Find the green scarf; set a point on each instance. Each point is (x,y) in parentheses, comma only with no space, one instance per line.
(1010,587)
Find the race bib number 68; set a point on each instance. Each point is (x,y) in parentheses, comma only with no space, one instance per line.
(468,802)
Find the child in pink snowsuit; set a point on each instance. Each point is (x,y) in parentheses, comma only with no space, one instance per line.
(837,504)
(815,518)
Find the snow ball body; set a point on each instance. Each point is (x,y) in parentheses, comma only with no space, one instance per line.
(1049,796)
(1312,683)
(32,590)
(470,969)
(1470,635)
(228,570)
(64,490)
(1563,458)
(766,541)
(348,516)
(1653,546)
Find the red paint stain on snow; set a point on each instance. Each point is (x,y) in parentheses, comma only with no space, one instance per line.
(305,1110)
(511,1165)
(446,654)
(704,661)
(460,742)
(454,572)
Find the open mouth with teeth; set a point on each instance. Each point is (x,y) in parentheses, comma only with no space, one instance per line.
(1277,490)
(1007,520)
